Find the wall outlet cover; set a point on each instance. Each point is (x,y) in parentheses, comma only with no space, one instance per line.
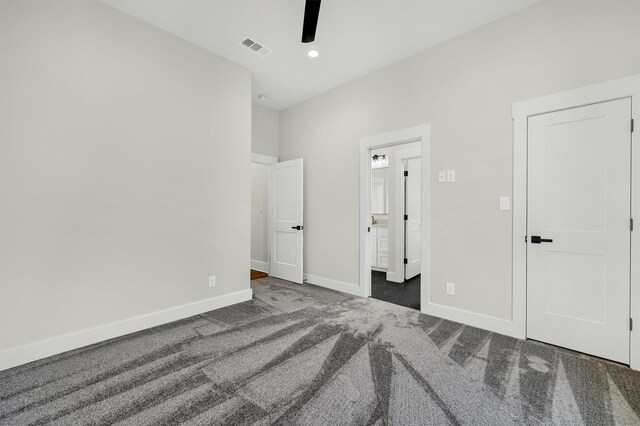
(505,203)
(451,289)
(451,176)
(212,281)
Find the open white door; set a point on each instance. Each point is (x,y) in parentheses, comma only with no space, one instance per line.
(578,254)
(286,226)
(413,218)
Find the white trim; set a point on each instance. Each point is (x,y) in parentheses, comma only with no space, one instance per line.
(259,265)
(333,284)
(485,322)
(395,277)
(610,90)
(263,159)
(420,133)
(41,349)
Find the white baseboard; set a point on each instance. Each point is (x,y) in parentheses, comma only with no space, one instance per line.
(485,322)
(334,285)
(259,265)
(41,349)
(395,277)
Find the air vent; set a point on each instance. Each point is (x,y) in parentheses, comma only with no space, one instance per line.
(256,48)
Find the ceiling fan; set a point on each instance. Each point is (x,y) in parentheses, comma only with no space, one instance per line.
(311,12)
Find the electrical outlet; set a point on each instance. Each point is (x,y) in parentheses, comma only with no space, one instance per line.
(451,176)
(442,176)
(451,289)
(212,281)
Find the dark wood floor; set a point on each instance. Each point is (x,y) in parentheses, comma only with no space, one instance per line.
(255,275)
(404,294)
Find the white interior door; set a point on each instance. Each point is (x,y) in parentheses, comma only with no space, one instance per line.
(579,199)
(286,227)
(413,221)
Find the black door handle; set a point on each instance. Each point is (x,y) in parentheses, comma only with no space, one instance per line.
(297,227)
(536,239)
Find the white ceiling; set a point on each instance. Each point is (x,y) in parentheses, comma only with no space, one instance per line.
(354,37)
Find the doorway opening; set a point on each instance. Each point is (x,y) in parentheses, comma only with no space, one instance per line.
(394,216)
(396,224)
(573,238)
(260,172)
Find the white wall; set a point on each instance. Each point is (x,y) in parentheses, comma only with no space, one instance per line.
(464,88)
(259,216)
(265,130)
(124,170)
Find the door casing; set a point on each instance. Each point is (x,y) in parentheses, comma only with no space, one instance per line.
(521,111)
(420,133)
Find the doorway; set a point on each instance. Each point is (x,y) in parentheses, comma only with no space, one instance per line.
(260,173)
(579,234)
(393,211)
(573,238)
(276,218)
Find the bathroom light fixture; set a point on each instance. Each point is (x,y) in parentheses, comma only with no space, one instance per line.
(379,161)
(313,53)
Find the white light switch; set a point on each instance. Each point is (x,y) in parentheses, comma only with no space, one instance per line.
(505,203)
(212,281)
(451,175)
(442,176)
(451,289)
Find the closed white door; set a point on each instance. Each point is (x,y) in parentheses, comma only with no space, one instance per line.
(286,226)
(413,219)
(578,252)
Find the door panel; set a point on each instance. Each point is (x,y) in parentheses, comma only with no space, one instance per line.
(286,215)
(413,225)
(579,196)
(373,244)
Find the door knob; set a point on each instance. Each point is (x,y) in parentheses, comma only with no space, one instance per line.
(297,227)
(536,239)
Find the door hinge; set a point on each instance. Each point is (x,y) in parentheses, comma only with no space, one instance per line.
(406,172)
(525,239)
(631,224)
(406,217)
(406,261)
(368,229)
(630,324)
(632,126)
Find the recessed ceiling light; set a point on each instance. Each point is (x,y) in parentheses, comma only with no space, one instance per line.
(263,97)
(313,53)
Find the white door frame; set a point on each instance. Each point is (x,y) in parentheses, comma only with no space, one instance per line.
(615,89)
(420,133)
(265,160)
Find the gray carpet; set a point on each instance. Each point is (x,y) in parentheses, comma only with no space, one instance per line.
(306,355)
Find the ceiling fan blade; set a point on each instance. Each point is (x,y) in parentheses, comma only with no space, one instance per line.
(311,12)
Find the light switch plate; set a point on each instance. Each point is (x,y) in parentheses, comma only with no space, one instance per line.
(505,203)
(212,281)
(451,289)
(442,176)
(451,176)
